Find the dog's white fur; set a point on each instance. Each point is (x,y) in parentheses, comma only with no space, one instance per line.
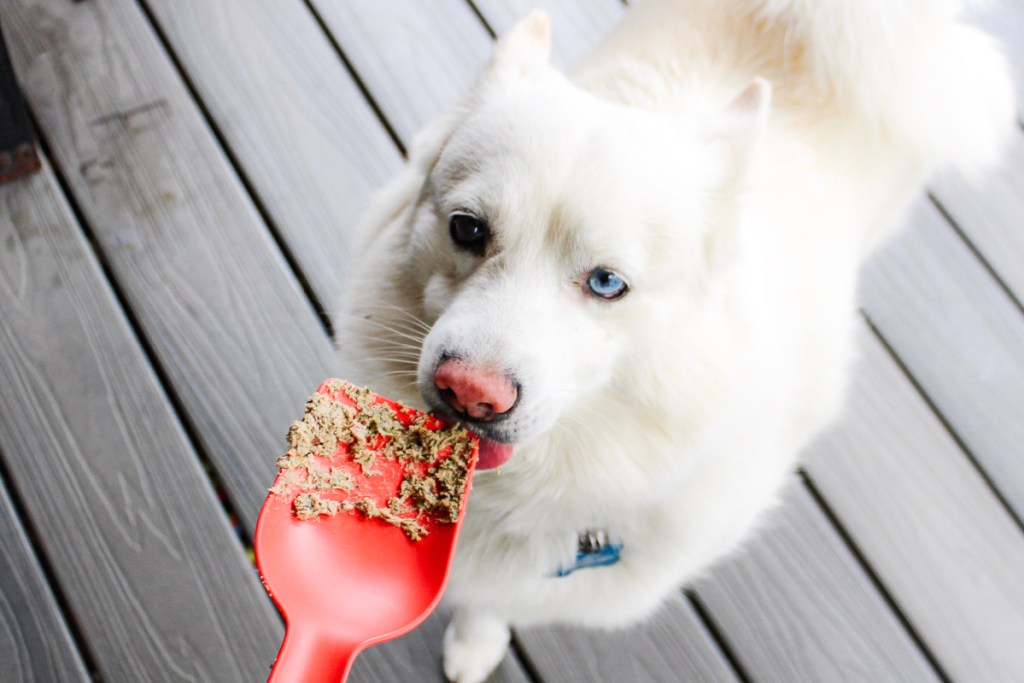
(734,160)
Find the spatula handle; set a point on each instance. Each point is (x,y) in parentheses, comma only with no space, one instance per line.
(310,657)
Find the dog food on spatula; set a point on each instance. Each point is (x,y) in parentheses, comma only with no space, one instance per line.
(355,452)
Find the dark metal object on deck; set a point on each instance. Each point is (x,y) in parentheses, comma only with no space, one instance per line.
(17,143)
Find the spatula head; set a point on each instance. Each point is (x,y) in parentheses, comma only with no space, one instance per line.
(352,579)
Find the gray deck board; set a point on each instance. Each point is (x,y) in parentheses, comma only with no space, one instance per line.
(35,644)
(309,143)
(990,213)
(672,646)
(148,563)
(796,606)
(415,58)
(229,323)
(961,337)
(313,151)
(417,657)
(945,548)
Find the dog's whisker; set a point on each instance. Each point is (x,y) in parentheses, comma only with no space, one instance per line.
(406,314)
(398,360)
(404,354)
(393,343)
(398,373)
(383,378)
(380,330)
(404,333)
(406,351)
(373,340)
(405,360)
(417,339)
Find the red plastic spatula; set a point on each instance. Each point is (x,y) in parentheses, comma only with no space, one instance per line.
(344,582)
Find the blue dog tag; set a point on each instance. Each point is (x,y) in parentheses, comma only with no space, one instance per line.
(593,550)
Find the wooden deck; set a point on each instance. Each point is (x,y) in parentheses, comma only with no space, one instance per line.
(163,283)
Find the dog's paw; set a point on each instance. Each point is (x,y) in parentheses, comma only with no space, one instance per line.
(474,646)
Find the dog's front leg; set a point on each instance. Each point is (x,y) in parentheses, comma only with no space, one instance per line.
(474,645)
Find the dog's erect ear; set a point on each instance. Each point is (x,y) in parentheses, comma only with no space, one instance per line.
(522,50)
(736,130)
(733,134)
(524,47)
(748,111)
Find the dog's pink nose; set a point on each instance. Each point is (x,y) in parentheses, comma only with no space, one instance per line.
(478,392)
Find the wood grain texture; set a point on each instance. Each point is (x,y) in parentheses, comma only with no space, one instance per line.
(415,58)
(417,657)
(961,337)
(211,291)
(147,560)
(672,646)
(35,644)
(796,606)
(309,143)
(927,523)
(990,213)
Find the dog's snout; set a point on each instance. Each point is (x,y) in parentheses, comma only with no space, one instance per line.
(477,392)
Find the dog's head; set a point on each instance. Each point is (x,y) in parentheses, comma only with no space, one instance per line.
(563,249)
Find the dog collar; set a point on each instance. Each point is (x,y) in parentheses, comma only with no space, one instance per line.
(593,549)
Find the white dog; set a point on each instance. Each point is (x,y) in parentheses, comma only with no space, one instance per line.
(637,284)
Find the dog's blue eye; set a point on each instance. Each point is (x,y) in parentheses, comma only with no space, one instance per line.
(606,284)
(469,233)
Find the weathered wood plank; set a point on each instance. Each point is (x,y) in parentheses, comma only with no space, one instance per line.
(797,606)
(149,565)
(417,657)
(961,337)
(35,644)
(206,284)
(310,145)
(430,51)
(990,214)
(989,211)
(927,523)
(312,150)
(237,338)
(672,646)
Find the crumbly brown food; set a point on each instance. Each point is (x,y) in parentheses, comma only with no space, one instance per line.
(310,505)
(436,462)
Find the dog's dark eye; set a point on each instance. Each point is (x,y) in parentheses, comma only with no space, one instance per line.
(606,284)
(469,233)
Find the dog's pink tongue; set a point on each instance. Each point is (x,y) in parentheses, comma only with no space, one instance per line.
(493,454)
